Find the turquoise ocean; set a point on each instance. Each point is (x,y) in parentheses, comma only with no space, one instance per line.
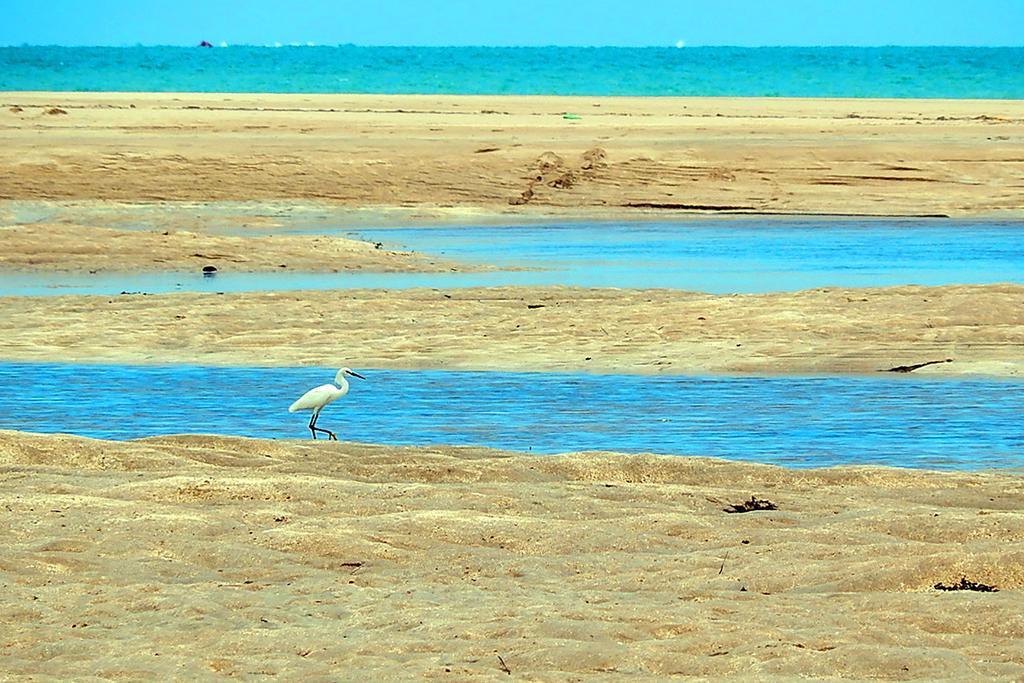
(901,72)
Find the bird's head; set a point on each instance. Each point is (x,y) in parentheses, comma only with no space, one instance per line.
(350,372)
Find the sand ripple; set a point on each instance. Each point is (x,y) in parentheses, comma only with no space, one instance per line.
(308,559)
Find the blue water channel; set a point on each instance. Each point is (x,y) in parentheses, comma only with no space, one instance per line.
(966,424)
(749,255)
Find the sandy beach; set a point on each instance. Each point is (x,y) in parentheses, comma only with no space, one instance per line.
(518,155)
(981,328)
(196,556)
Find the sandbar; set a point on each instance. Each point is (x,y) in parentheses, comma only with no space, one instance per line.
(980,328)
(87,249)
(518,155)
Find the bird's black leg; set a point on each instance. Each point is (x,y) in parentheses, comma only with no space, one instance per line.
(314,429)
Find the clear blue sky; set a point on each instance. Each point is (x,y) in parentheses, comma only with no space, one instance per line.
(514,22)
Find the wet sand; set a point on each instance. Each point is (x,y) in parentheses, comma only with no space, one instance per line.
(979,327)
(518,155)
(195,556)
(88,249)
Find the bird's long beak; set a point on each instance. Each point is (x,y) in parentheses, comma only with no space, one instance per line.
(356,374)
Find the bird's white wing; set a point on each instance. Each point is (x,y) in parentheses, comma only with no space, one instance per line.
(314,398)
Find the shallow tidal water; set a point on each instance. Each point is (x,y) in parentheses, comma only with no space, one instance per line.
(720,256)
(963,424)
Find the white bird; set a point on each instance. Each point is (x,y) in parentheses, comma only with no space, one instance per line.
(316,399)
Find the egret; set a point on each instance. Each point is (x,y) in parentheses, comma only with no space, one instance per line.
(316,399)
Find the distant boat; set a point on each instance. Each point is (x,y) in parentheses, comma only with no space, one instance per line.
(206,43)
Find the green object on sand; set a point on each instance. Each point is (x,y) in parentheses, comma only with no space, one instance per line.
(572,117)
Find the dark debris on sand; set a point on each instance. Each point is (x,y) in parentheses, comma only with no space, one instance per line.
(918,366)
(965,585)
(752,505)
